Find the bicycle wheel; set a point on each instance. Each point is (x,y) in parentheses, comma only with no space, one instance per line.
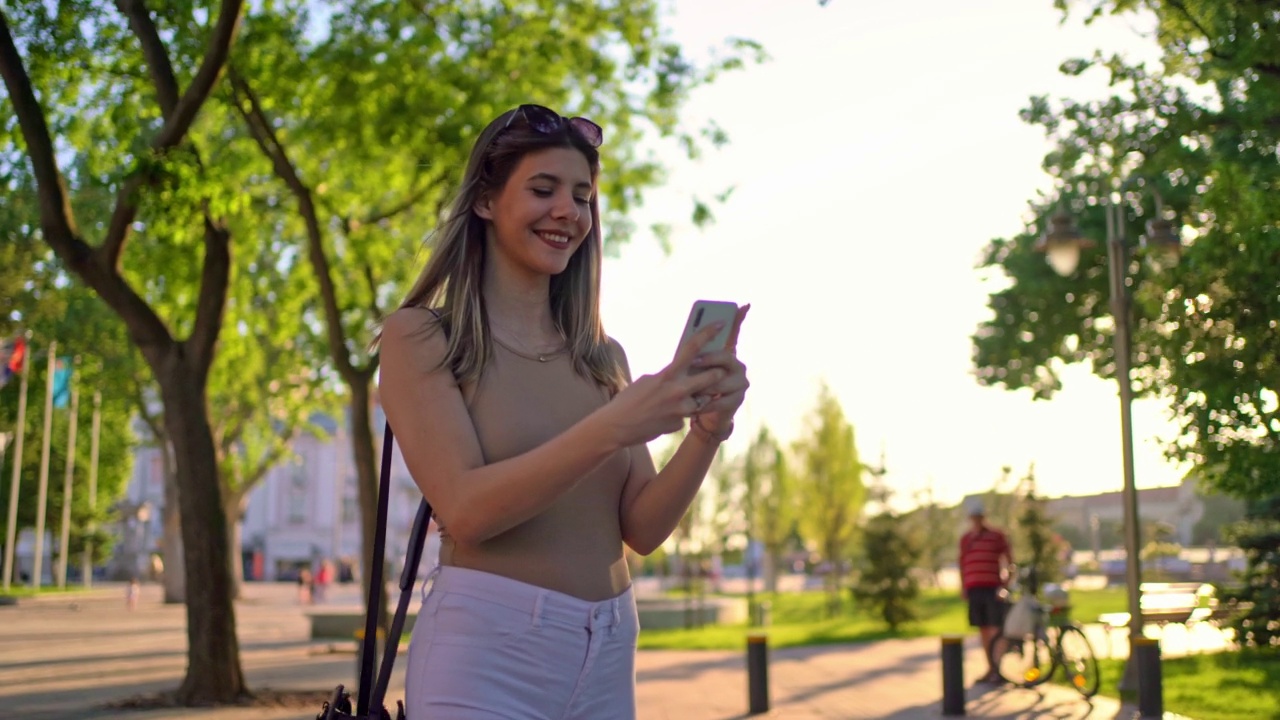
(1076,655)
(1022,661)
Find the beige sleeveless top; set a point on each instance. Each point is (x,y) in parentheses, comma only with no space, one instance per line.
(575,546)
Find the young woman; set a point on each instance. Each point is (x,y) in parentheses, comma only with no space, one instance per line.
(517,418)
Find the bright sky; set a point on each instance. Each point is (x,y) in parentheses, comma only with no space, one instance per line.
(874,157)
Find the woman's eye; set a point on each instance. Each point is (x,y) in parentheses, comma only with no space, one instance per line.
(542,192)
(583,200)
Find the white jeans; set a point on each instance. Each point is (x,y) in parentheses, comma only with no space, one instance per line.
(486,647)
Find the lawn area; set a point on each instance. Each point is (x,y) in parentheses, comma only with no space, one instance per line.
(26,591)
(799,619)
(1217,686)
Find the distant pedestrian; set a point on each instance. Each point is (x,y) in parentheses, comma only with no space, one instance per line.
(985,564)
(304,586)
(324,578)
(131,593)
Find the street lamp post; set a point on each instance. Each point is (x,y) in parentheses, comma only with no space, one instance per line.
(1062,245)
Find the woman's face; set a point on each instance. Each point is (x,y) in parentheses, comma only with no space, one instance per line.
(543,214)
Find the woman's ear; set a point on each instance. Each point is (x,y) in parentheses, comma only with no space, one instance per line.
(484,207)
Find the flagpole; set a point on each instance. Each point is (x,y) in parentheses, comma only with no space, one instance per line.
(64,541)
(42,496)
(93,488)
(4,445)
(11,530)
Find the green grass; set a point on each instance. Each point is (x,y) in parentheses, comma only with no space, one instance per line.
(25,591)
(1217,686)
(800,619)
(1087,605)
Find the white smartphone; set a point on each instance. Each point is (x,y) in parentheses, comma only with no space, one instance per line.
(707,312)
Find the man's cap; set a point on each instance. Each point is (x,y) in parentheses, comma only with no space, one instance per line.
(973,507)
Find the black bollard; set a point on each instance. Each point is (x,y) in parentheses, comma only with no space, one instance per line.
(757,674)
(1146,652)
(952,675)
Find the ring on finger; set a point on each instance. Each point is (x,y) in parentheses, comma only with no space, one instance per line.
(700,400)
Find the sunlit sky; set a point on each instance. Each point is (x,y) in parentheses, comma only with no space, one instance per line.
(873,157)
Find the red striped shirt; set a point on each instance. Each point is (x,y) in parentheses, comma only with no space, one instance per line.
(980,553)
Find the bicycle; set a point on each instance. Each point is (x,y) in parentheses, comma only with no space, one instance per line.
(1055,641)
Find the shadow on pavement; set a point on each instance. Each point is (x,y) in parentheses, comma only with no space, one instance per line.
(900,665)
(1013,702)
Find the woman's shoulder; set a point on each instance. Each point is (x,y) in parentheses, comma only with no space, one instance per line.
(413,332)
(410,323)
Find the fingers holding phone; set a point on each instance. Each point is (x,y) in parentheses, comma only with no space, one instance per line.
(660,403)
(707,313)
(721,399)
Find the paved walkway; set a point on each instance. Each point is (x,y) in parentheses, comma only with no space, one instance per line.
(71,658)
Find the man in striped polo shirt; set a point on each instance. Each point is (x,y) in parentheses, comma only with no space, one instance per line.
(985,563)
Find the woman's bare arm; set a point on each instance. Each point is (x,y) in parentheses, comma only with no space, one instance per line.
(438,440)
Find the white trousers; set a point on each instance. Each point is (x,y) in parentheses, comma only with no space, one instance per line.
(486,647)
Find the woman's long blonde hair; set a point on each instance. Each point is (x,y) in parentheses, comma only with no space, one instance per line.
(451,282)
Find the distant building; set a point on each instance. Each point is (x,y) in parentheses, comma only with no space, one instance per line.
(1179,506)
(305,510)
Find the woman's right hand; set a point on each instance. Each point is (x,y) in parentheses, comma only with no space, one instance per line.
(658,404)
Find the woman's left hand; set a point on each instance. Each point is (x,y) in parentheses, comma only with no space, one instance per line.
(722,400)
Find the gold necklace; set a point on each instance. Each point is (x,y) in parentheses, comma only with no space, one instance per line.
(540,357)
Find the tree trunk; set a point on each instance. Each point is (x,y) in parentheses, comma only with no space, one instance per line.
(367,469)
(213,674)
(234,507)
(833,580)
(175,581)
(770,571)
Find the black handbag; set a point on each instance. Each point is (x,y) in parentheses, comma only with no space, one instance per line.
(370,697)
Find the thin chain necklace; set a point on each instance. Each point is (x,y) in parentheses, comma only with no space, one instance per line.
(540,357)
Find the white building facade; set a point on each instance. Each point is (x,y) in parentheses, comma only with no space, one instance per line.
(305,510)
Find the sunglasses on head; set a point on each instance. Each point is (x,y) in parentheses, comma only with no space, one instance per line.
(547,121)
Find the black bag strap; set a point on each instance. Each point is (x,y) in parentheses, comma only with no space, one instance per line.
(370,696)
(413,556)
(372,607)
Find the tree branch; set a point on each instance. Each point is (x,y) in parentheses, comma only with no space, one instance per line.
(154,423)
(1182,8)
(373,290)
(154,52)
(267,461)
(179,112)
(404,205)
(57,221)
(215,277)
(246,103)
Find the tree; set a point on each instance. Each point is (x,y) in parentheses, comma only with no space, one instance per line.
(931,522)
(1037,546)
(122,100)
(769,503)
(830,489)
(267,390)
(887,585)
(1199,132)
(1255,600)
(426,83)
(1220,513)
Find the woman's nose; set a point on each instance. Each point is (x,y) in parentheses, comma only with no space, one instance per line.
(567,208)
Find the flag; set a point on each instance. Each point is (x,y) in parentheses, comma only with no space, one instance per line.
(12,354)
(61,383)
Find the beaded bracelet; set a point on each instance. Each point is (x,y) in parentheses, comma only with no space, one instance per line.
(695,427)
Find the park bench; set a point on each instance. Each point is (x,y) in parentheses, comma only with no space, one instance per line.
(1184,603)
